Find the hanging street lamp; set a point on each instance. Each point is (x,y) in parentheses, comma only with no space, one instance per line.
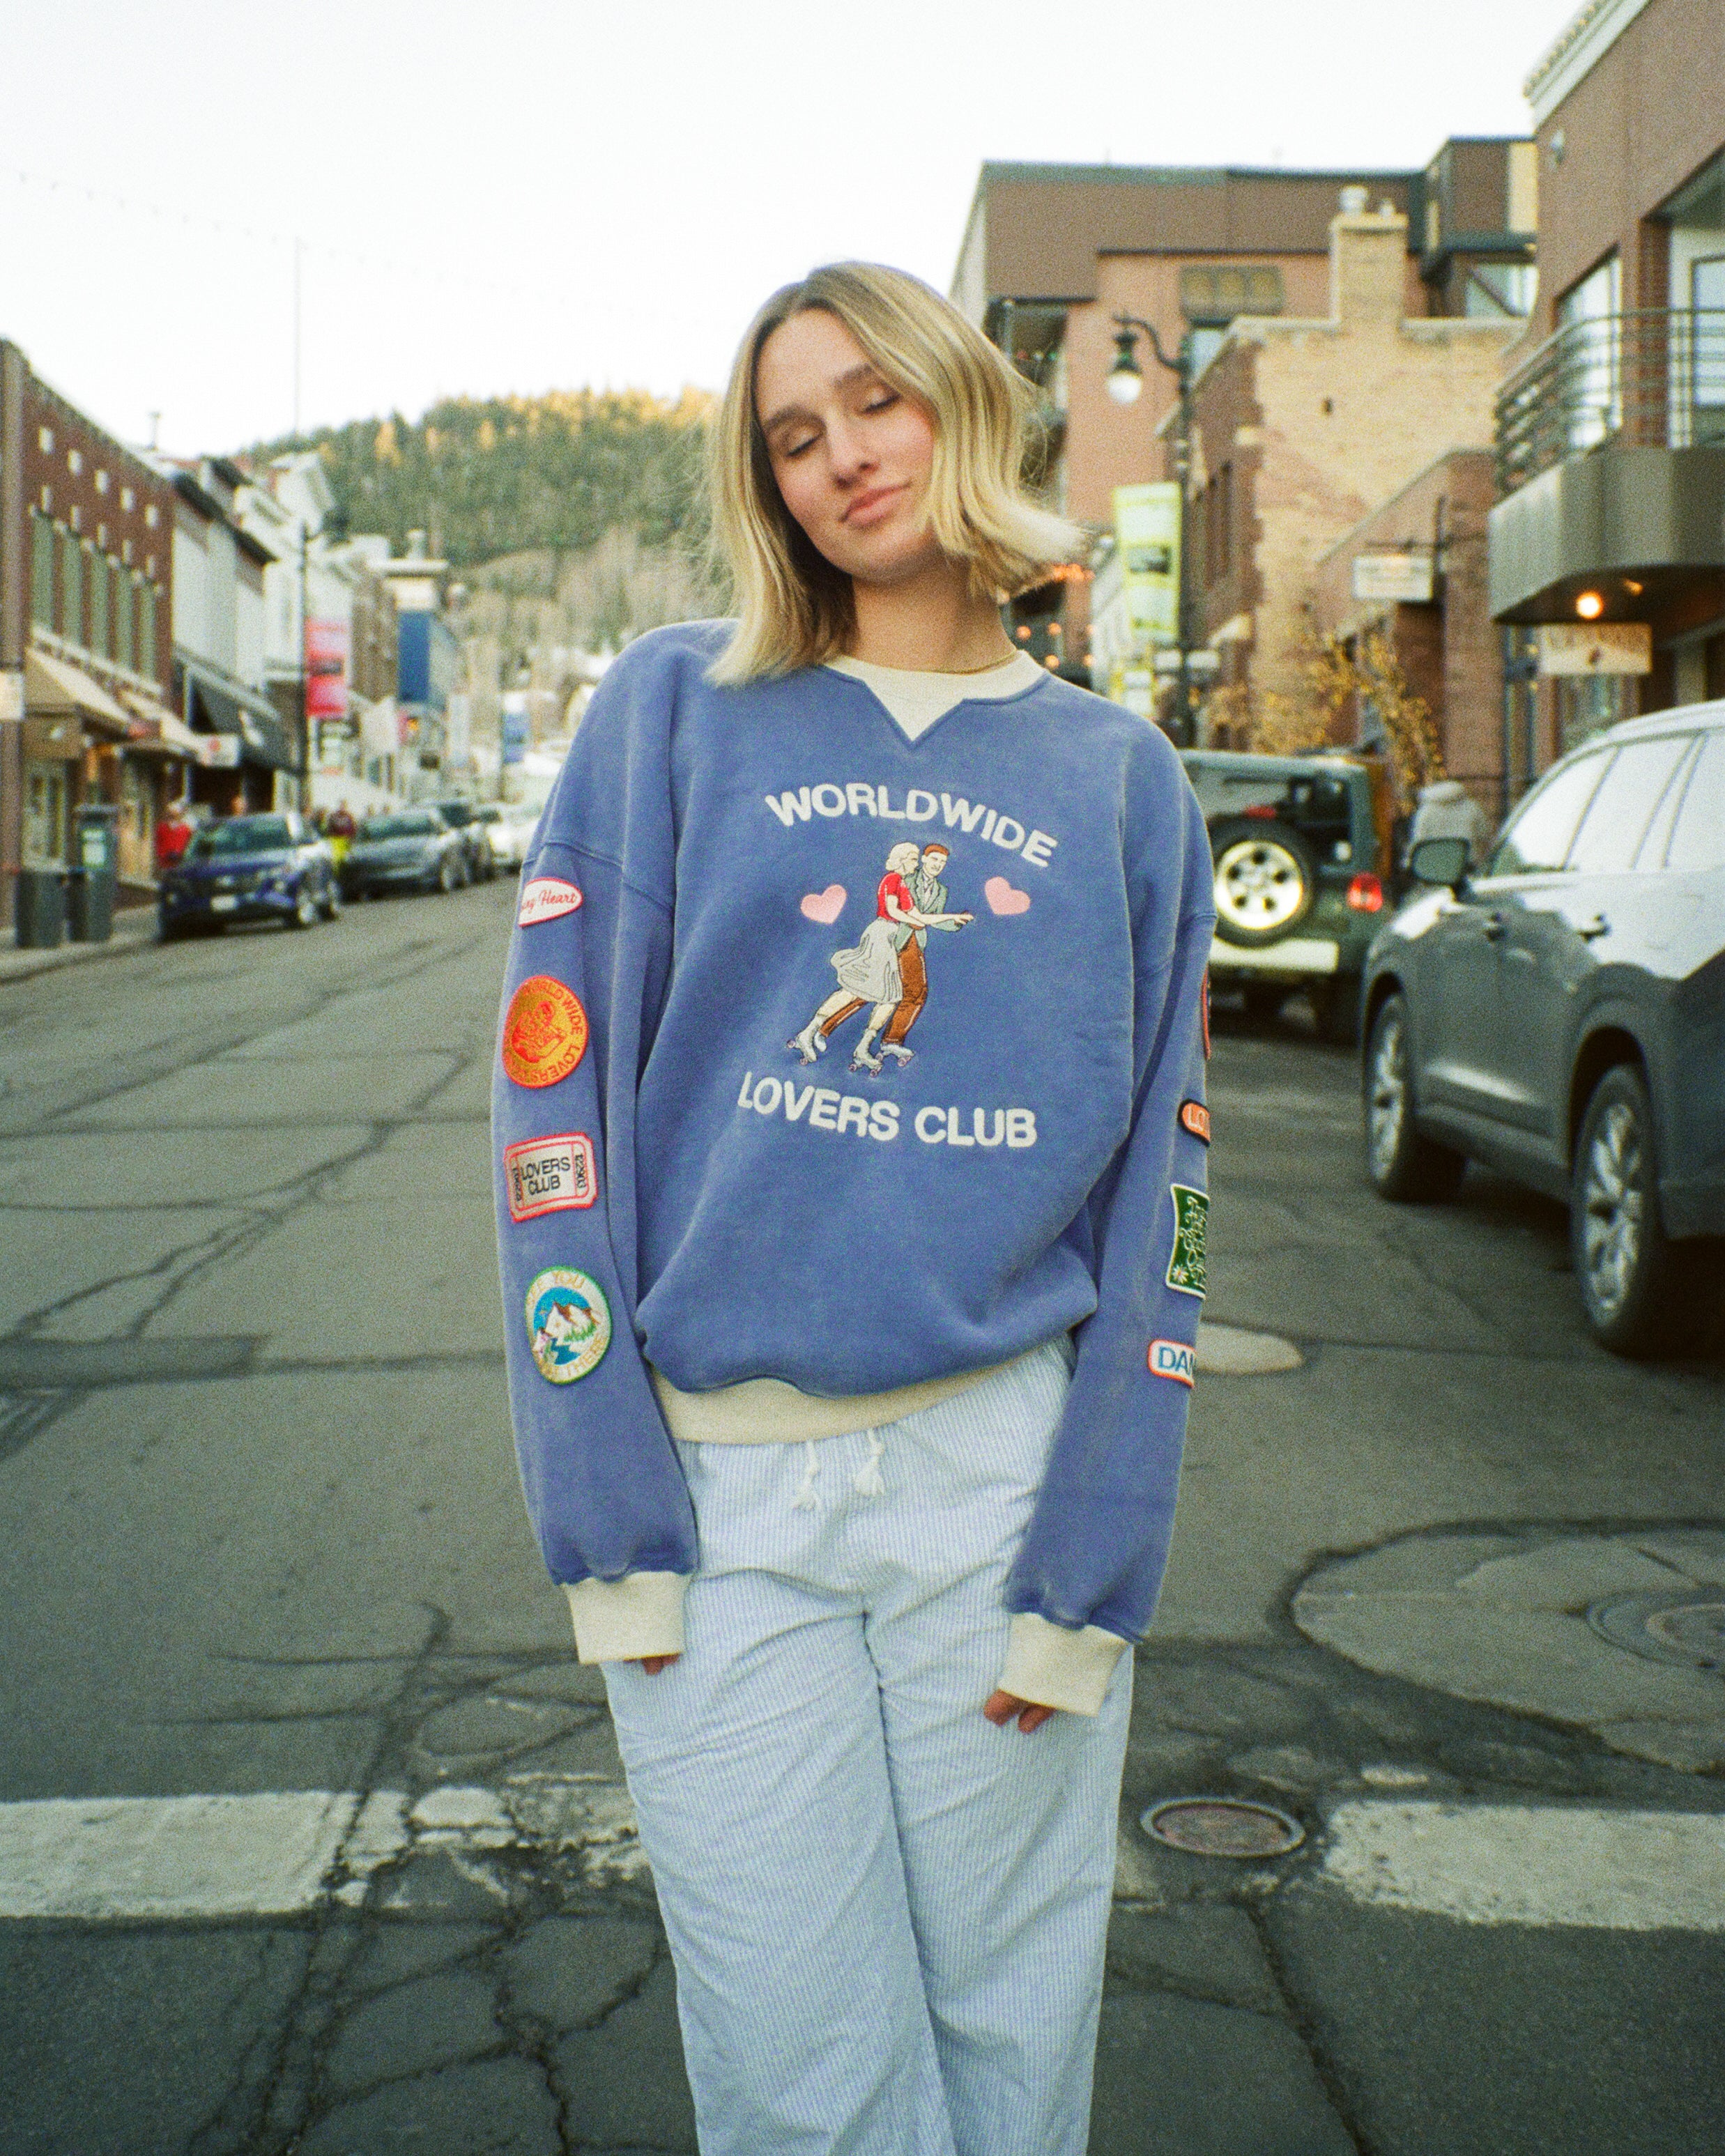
(1126,385)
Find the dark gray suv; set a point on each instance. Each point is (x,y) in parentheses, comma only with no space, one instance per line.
(1561,1017)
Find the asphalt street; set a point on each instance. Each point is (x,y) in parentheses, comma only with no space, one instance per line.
(312,1834)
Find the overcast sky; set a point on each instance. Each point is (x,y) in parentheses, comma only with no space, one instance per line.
(514,196)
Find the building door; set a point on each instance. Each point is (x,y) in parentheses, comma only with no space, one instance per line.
(45,834)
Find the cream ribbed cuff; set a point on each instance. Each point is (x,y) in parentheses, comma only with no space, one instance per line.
(619,1620)
(1051,1666)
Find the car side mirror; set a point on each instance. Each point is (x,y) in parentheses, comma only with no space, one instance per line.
(1440,862)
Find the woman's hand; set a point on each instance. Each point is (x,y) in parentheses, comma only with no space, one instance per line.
(1001,1708)
(652,1664)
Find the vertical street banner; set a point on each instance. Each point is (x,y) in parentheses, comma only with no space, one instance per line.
(1146,532)
(326,650)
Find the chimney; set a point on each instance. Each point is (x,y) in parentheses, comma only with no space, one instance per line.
(1368,261)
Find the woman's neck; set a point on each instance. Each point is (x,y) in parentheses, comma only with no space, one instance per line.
(931,623)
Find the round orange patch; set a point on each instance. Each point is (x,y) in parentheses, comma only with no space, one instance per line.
(544,1032)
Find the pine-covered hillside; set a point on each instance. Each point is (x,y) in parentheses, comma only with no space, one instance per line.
(490,476)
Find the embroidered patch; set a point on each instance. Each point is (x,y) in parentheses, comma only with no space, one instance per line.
(544,1032)
(1171,1358)
(1185,1260)
(569,1324)
(547,898)
(1204,1014)
(1195,1117)
(549,1175)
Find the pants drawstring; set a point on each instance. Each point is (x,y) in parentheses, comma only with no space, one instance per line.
(866,1481)
(807,1499)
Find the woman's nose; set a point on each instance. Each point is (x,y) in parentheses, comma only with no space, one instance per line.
(847,451)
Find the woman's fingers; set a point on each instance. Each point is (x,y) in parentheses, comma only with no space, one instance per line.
(1003,1706)
(653,1663)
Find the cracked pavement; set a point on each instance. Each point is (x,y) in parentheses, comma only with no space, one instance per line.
(262,1534)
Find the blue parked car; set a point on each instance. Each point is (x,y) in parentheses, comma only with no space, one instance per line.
(1559,1014)
(249,868)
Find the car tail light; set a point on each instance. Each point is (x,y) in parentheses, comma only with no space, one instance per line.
(1263,808)
(1365,895)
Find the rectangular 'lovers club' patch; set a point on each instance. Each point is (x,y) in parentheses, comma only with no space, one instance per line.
(549,1175)
(1185,1260)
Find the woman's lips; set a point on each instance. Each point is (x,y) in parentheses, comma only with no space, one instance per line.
(869,508)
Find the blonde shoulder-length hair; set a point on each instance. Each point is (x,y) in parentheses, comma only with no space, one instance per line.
(793,608)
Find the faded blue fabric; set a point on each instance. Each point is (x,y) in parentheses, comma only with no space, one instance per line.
(1004,1175)
(888,1917)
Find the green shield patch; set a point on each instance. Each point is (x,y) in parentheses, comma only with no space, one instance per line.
(1185,1262)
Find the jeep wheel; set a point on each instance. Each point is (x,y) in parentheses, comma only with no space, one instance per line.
(1403,1165)
(1266,879)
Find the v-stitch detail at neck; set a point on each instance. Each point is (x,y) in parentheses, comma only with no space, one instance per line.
(915,700)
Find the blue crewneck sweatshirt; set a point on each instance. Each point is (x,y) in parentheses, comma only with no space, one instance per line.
(855,1061)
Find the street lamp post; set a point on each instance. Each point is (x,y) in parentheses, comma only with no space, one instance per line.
(1126,385)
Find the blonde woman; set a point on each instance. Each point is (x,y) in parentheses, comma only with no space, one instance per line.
(862,1487)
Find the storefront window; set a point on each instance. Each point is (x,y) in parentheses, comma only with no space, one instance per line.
(45,813)
(1588,703)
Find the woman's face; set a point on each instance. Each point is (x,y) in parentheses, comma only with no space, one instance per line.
(851,454)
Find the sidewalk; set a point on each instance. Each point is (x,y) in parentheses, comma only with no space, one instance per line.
(133,928)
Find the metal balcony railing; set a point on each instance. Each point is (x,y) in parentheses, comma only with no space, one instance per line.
(1653,379)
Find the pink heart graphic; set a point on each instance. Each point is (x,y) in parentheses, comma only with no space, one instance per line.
(826,905)
(1002,897)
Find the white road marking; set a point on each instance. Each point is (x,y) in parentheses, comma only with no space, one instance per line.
(107,1859)
(1229,1351)
(1546,1864)
(118,1860)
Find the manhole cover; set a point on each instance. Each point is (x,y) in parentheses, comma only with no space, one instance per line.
(1223,1826)
(1686,1628)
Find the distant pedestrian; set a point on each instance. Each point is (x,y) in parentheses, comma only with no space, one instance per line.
(340,829)
(173,834)
(849,1414)
(1445,809)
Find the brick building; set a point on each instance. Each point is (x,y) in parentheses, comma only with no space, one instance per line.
(1052,253)
(1301,428)
(1415,568)
(86,529)
(1610,435)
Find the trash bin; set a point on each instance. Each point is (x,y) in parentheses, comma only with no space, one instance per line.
(91,885)
(39,909)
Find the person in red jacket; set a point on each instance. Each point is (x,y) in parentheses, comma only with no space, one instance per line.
(173,834)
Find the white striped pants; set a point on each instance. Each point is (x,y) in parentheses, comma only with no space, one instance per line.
(888,1917)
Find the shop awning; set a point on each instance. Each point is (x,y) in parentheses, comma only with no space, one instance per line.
(155,730)
(226,708)
(55,685)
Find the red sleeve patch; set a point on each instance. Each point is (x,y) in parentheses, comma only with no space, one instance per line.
(1195,1117)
